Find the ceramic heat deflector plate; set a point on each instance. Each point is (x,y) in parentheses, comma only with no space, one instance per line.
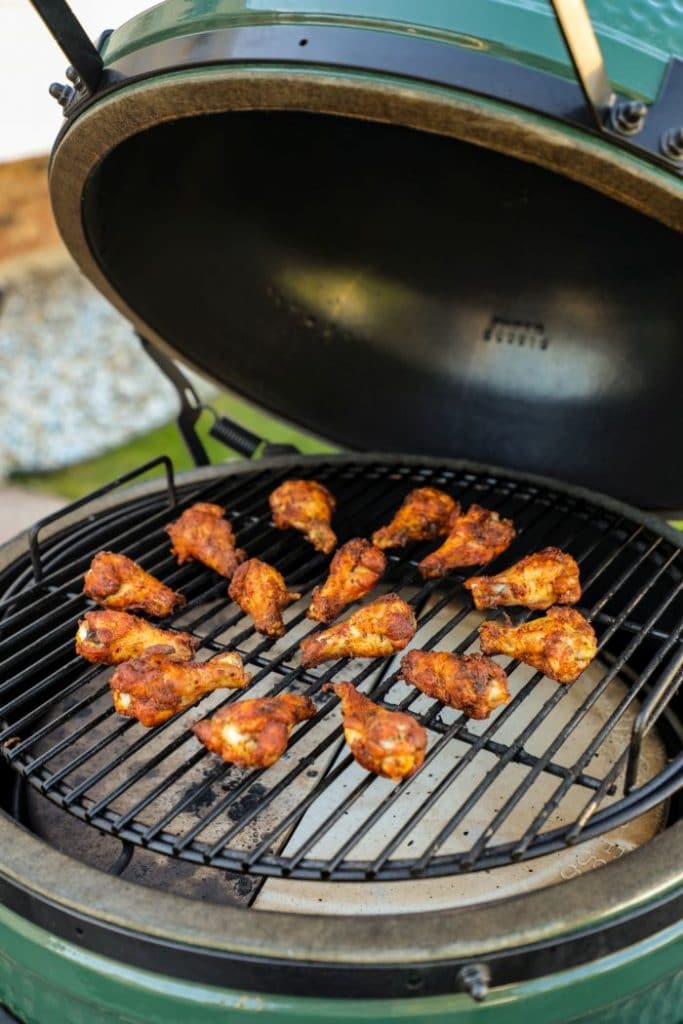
(478,886)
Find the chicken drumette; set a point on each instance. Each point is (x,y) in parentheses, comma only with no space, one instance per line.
(469,682)
(254,733)
(307,506)
(260,591)
(537,581)
(117,582)
(112,637)
(425,513)
(389,743)
(354,571)
(474,538)
(203,534)
(376,631)
(560,644)
(154,687)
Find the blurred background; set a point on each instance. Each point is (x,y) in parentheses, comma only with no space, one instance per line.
(80,402)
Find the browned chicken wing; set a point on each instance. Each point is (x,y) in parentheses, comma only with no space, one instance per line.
(254,733)
(537,581)
(354,571)
(203,534)
(475,537)
(117,582)
(376,631)
(260,591)
(425,513)
(154,687)
(307,506)
(389,743)
(112,637)
(469,682)
(560,644)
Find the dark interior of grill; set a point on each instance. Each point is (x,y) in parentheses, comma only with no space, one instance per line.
(159,792)
(302,259)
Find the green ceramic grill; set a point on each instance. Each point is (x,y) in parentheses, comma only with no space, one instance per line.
(445,237)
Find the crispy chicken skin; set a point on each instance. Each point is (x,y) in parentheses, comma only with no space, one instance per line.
(117,582)
(254,733)
(537,581)
(203,534)
(154,687)
(260,591)
(389,743)
(475,537)
(560,644)
(471,683)
(376,631)
(425,513)
(354,570)
(112,637)
(307,506)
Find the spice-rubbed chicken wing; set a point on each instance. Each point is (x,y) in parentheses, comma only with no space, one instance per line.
(203,534)
(254,733)
(354,571)
(469,682)
(154,687)
(260,591)
(112,637)
(425,513)
(389,743)
(117,582)
(307,506)
(537,581)
(475,537)
(561,644)
(376,631)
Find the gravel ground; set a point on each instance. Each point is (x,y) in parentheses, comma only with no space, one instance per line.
(74,381)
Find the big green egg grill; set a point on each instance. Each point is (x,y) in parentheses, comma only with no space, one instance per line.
(441,232)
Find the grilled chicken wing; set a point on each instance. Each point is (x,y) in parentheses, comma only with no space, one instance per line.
(117,582)
(261,592)
(154,687)
(203,534)
(425,513)
(307,506)
(538,581)
(560,644)
(376,631)
(475,537)
(354,570)
(112,637)
(469,682)
(254,733)
(389,743)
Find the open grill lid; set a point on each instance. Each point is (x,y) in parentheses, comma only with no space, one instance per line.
(369,227)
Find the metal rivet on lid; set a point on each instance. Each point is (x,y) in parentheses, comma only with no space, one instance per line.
(62,93)
(629,116)
(672,144)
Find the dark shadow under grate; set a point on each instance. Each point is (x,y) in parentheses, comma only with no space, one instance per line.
(551,765)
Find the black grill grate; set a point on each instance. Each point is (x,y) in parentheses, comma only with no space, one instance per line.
(315,814)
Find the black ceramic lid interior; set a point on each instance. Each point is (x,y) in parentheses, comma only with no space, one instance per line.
(396,290)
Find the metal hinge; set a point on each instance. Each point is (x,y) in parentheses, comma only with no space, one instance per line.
(223,429)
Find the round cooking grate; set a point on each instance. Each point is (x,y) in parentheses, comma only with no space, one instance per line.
(547,770)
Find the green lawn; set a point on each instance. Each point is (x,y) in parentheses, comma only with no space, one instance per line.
(75,481)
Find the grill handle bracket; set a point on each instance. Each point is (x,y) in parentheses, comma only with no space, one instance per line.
(584,50)
(233,435)
(74,42)
(34,532)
